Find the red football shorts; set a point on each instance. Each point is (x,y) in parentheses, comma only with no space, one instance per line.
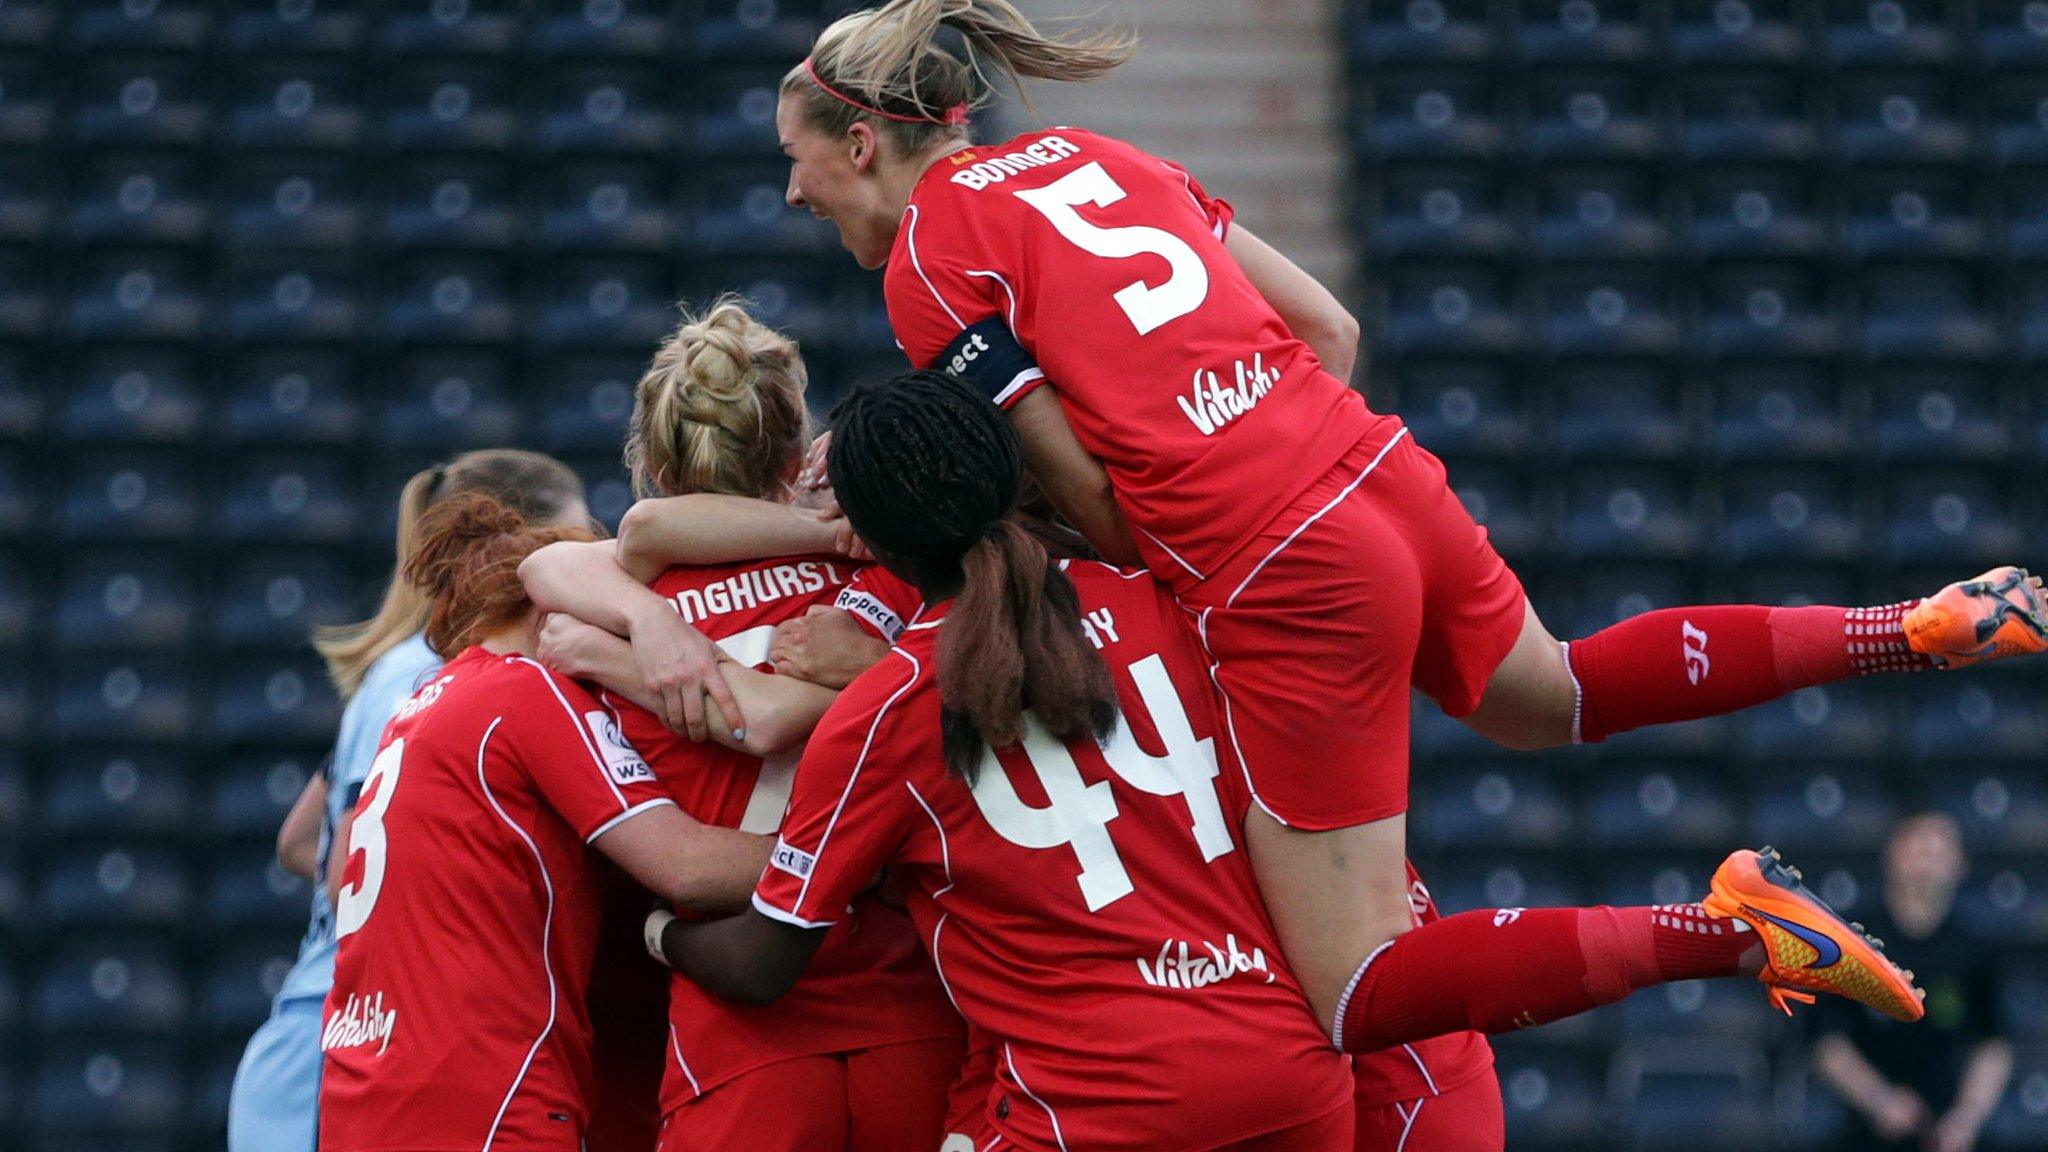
(874,1100)
(1467,1118)
(1373,580)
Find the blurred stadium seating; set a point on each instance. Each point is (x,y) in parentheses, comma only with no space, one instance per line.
(1721,300)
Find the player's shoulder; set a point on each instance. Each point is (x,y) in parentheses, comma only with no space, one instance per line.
(522,678)
(1096,582)
(885,706)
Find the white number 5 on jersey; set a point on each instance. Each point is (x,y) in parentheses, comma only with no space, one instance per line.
(1148,307)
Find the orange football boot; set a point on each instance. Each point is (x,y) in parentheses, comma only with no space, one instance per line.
(1808,947)
(1999,614)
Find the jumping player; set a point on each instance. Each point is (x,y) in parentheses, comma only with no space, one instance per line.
(466,915)
(1124,317)
(859,1056)
(375,665)
(913,462)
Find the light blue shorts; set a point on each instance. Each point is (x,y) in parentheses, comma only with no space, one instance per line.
(275,1103)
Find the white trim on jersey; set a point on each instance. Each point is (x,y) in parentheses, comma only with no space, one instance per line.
(546,932)
(1578,693)
(1174,556)
(1011,1059)
(1408,1124)
(1007,290)
(1344,1001)
(916,672)
(790,918)
(1018,383)
(682,1063)
(1424,1069)
(910,241)
(1304,526)
(945,859)
(1187,180)
(596,757)
(628,814)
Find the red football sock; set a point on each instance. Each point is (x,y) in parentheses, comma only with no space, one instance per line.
(1495,970)
(1686,663)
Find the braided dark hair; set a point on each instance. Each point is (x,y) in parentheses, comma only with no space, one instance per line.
(928,472)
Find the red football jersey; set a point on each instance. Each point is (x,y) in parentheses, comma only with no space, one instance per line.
(1107,266)
(468,912)
(870,984)
(882,600)
(1089,907)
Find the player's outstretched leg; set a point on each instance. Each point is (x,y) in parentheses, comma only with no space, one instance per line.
(1501,969)
(1679,664)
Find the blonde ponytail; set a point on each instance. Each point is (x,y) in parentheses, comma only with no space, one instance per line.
(888,59)
(719,409)
(538,487)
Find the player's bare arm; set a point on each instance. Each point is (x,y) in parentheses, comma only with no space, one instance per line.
(781,710)
(1073,480)
(677,662)
(1312,312)
(749,957)
(711,528)
(298,838)
(684,860)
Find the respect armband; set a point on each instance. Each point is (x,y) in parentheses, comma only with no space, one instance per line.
(988,356)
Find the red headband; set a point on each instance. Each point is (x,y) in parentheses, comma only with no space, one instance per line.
(955,115)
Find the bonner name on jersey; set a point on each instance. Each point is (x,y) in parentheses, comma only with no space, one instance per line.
(996,169)
(754,587)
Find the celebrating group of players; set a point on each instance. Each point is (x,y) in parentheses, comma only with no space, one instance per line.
(1021,764)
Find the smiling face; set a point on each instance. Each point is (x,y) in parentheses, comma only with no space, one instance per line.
(838,179)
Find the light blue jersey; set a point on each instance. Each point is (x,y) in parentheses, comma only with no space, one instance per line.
(274,1105)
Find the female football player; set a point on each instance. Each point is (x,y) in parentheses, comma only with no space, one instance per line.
(375,665)
(1170,372)
(1075,877)
(860,1056)
(467,912)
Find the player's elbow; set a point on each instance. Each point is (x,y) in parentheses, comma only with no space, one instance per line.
(538,571)
(636,529)
(772,731)
(295,855)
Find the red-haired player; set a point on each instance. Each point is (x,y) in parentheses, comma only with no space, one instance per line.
(467,914)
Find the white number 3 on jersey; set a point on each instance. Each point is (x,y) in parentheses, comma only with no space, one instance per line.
(1077,814)
(354,902)
(1148,307)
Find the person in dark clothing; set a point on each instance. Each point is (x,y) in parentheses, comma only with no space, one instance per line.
(1928,1086)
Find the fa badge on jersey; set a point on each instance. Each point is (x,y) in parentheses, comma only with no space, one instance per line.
(620,758)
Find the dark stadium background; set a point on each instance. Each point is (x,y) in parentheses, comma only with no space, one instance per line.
(1697,301)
